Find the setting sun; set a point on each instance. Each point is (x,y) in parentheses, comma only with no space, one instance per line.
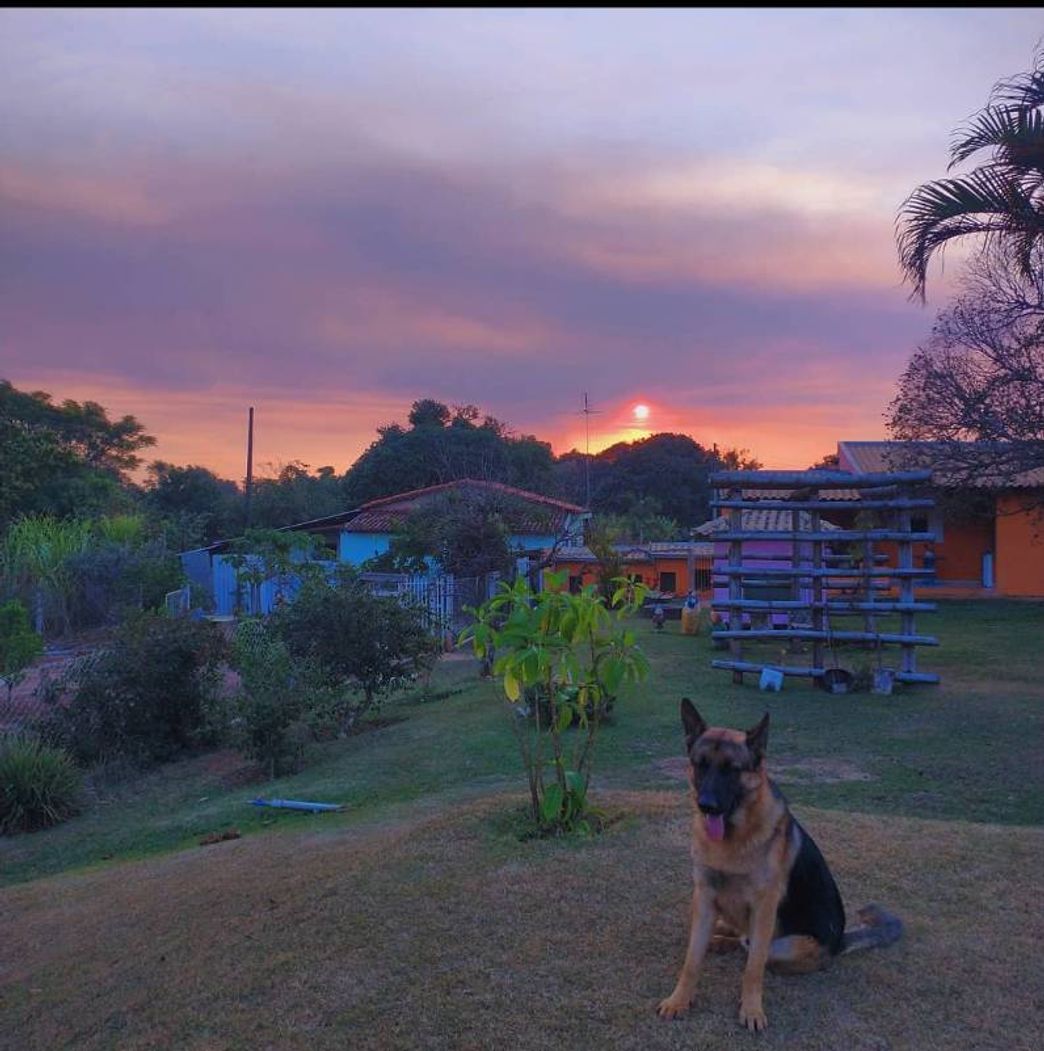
(641,412)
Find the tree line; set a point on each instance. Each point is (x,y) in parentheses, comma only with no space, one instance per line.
(70,459)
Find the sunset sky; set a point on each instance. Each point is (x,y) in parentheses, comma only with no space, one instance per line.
(328,214)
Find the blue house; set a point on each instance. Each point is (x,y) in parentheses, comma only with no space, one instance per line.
(535,522)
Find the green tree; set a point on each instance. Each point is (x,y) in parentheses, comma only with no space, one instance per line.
(362,645)
(64,459)
(665,472)
(466,533)
(1002,200)
(443,445)
(562,659)
(194,498)
(295,494)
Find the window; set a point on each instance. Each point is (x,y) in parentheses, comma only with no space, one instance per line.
(576,585)
(669,582)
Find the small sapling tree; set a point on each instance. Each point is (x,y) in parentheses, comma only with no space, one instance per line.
(562,658)
(19,645)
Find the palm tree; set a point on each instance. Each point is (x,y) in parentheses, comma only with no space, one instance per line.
(1002,199)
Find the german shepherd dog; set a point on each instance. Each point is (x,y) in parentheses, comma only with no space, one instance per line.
(761,881)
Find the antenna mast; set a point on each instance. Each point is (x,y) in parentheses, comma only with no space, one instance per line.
(587,413)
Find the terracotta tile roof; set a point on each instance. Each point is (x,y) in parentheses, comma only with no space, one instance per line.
(762,522)
(543,515)
(639,552)
(473,483)
(787,494)
(872,457)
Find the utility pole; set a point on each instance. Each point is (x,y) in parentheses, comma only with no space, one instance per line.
(250,466)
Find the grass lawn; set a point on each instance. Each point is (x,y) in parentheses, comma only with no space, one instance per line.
(417,918)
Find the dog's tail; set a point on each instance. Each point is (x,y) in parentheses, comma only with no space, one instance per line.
(875,928)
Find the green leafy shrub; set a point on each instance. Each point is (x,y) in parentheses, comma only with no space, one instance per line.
(278,709)
(147,696)
(19,644)
(562,658)
(40,785)
(114,579)
(359,646)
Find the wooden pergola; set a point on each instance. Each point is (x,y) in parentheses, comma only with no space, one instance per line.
(824,584)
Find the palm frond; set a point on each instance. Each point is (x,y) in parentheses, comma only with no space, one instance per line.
(1025,89)
(1016,134)
(986,202)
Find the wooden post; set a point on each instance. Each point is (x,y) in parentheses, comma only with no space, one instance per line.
(250,469)
(908,660)
(735,588)
(819,615)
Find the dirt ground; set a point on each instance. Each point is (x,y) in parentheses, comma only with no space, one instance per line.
(442,930)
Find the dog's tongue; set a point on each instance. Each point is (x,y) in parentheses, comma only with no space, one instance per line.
(715,827)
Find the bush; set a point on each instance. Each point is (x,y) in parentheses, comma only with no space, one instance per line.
(358,645)
(113,579)
(19,644)
(147,696)
(275,702)
(40,786)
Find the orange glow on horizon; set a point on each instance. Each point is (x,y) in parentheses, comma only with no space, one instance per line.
(209,427)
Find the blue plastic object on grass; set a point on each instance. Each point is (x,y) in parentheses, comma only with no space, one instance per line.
(771,679)
(296,804)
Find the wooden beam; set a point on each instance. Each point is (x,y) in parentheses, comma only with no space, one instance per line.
(742,666)
(815,479)
(814,673)
(856,504)
(826,636)
(831,606)
(837,536)
(846,574)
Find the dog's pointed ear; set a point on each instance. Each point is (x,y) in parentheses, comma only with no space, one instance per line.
(693,723)
(757,739)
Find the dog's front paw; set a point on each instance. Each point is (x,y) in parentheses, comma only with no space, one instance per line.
(674,1006)
(752,1016)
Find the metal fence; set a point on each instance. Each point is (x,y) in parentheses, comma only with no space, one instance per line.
(446,600)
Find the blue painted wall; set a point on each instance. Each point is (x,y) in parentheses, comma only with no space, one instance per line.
(264,598)
(530,541)
(356,548)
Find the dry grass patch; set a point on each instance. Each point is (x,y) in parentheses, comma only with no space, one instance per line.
(439,931)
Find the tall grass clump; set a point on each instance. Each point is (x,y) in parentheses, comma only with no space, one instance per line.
(40,785)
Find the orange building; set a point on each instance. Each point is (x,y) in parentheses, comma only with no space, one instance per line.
(989,536)
(663,567)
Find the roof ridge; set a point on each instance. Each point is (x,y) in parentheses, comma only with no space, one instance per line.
(480,483)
